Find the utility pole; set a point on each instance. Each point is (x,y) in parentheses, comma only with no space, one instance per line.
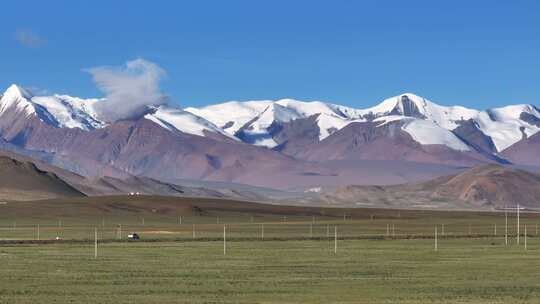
(442,232)
(525,237)
(335,239)
(505,227)
(436,245)
(517,224)
(95,242)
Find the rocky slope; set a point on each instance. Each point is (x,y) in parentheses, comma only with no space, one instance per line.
(24,181)
(488,186)
(526,151)
(34,179)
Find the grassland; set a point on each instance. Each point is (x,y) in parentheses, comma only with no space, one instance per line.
(383,256)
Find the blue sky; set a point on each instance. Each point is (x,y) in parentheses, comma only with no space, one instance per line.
(476,53)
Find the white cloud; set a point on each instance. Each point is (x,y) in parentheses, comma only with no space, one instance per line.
(29,38)
(130,89)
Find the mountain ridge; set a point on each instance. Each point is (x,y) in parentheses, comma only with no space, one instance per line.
(250,121)
(263,143)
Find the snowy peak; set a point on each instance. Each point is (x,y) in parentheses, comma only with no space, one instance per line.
(230,116)
(258,130)
(412,105)
(260,122)
(63,111)
(508,125)
(16,99)
(71,112)
(16,92)
(306,109)
(175,119)
(505,126)
(407,104)
(513,112)
(58,111)
(255,121)
(276,112)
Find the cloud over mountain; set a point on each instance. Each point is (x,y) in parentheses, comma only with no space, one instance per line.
(129,89)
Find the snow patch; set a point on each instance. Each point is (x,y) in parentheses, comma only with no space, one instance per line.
(230,116)
(71,112)
(174,119)
(504,125)
(328,124)
(387,119)
(428,133)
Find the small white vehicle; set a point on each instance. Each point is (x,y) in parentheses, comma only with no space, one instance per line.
(133,236)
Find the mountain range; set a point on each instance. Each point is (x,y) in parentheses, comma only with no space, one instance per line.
(284,144)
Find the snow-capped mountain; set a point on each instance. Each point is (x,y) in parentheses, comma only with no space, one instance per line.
(427,122)
(175,119)
(505,125)
(411,105)
(252,120)
(63,111)
(305,130)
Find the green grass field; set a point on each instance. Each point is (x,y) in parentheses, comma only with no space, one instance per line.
(383,256)
(362,271)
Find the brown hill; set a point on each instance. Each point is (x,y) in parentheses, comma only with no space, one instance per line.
(121,186)
(494,186)
(24,181)
(525,152)
(488,186)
